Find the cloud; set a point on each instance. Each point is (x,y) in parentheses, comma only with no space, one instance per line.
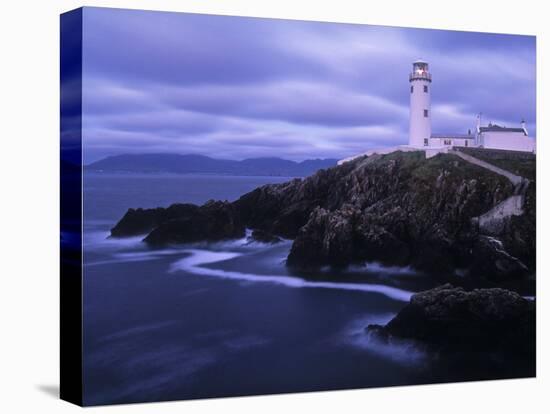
(244,87)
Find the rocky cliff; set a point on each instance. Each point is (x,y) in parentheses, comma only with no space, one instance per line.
(398,208)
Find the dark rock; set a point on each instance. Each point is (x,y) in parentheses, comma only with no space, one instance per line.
(213,221)
(326,239)
(520,235)
(271,209)
(451,319)
(402,209)
(182,223)
(142,221)
(494,261)
(264,237)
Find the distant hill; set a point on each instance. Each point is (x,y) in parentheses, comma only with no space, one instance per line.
(185,164)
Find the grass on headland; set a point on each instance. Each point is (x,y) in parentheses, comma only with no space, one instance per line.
(516,162)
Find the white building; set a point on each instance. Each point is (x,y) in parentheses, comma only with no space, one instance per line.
(420,126)
(499,137)
(420,123)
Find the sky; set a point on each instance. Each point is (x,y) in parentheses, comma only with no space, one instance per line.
(234,87)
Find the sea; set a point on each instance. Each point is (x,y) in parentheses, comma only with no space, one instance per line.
(226,319)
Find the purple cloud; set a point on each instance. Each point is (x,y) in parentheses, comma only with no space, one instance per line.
(244,87)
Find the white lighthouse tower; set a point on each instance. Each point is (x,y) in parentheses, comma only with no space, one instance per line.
(421,137)
(420,125)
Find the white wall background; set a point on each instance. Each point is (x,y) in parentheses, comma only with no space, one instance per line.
(29,205)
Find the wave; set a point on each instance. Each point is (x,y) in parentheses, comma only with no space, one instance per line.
(403,352)
(380,269)
(101,239)
(193,264)
(245,243)
(141,256)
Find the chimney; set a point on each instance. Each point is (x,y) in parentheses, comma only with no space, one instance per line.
(523,125)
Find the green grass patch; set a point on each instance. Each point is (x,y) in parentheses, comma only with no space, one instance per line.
(519,163)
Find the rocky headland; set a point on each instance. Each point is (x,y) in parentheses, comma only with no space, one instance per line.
(399,209)
(441,216)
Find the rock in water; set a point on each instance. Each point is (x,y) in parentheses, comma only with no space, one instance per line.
(263,236)
(213,221)
(495,326)
(141,221)
(183,223)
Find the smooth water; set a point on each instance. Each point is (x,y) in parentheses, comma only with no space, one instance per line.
(225,319)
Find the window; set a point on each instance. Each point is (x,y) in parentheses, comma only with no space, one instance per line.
(425,142)
(425,113)
(426,88)
(465,142)
(447,142)
(412,89)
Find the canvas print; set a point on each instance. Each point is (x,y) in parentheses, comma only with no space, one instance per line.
(260,206)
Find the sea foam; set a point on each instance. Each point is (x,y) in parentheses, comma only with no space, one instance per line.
(401,351)
(197,258)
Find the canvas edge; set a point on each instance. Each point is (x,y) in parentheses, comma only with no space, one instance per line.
(71,382)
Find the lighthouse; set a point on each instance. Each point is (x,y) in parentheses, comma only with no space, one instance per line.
(421,137)
(420,125)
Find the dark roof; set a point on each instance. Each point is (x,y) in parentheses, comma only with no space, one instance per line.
(498,128)
(461,136)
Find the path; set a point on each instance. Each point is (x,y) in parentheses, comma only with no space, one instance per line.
(493,221)
(515,179)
